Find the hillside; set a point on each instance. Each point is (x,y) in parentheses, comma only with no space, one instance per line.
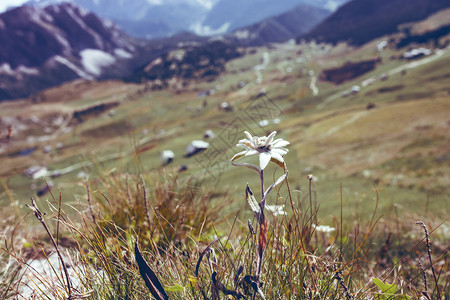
(45,47)
(280,28)
(132,182)
(158,19)
(142,18)
(360,21)
(392,132)
(230,15)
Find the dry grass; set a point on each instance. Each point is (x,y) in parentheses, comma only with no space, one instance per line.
(299,261)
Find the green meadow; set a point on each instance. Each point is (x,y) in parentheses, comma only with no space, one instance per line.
(379,157)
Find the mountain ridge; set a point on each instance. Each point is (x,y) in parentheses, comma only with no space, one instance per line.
(360,21)
(156,19)
(279,28)
(44,47)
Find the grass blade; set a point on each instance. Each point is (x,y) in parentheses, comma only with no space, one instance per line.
(151,281)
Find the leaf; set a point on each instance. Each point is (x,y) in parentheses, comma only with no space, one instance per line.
(258,290)
(277,182)
(175,288)
(192,279)
(276,209)
(151,281)
(248,165)
(252,202)
(279,163)
(385,287)
(388,291)
(238,155)
(206,250)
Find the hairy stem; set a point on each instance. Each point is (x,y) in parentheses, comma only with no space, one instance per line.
(427,238)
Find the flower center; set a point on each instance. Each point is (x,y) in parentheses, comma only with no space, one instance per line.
(260,143)
(263,148)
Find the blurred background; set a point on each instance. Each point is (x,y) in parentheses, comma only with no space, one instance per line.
(360,88)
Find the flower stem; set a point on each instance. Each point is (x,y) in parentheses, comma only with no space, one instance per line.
(261,176)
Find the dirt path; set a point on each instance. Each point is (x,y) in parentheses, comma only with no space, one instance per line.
(262,67)
(355,117)
(313,86)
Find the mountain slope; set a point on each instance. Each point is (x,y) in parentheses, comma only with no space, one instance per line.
(146,18)
(233,14)
(44,47)
(360,21)
(281,28)
(157,18)
(229,15)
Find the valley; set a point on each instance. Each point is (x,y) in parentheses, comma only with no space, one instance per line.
(392,135)
(121,157)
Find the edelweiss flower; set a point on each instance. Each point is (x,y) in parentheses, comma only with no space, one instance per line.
(324,228)
(266,147)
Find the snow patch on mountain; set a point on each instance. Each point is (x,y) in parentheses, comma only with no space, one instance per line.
(207,30)
(73,67)
(5,68)
(332,5)
(26,70)
(122,53)
(94,60)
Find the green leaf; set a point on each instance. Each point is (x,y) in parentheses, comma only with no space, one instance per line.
(175,288)
(28,245)
(385,287)
(192,279)
(388,291)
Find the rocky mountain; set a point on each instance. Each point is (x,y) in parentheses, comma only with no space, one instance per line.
(360,21)
(158,18)
(44,47)
(281,28)
(192,61)
(229,15)
(147,18)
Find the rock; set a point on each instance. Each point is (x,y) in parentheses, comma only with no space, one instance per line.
(416,53)
(45,189)
(355,89)
(47,149)
(167,157)
(195,147)
(225,106)
(36,172)
(182,168)
(209,134)
(381,45)
(264,123)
